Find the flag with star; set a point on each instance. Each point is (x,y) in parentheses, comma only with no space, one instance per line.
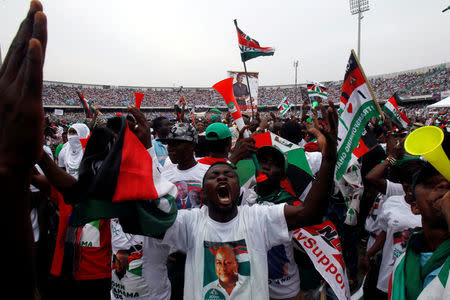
(249,47)
(357,107)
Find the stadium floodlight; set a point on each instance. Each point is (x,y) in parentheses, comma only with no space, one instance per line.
(358,7)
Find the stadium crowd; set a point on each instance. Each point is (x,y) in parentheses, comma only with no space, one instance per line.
(408,84)
(150,207)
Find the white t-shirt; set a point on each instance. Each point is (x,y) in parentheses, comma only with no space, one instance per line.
(371,225)
(397,220)
(34,212)
(189,184)
(132,285)
(250,234)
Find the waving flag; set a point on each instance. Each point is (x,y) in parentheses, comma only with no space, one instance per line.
(298,172)
(117,179)
(317,90)
(395,112)
(86,105)
(249,47)
(284,106)
(357,107)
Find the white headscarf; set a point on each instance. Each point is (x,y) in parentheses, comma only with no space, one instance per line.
(74,153)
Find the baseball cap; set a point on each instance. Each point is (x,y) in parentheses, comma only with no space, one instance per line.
(217,131)
(182,132)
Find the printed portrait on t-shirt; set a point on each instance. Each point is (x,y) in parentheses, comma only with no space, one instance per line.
(188,194)
(226,269)
(401,240)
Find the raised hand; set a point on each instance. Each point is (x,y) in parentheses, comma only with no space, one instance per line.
(141,128)
(243,147)
(21,110)
(327,138)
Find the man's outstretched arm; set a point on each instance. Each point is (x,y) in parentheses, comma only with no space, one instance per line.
(316,201)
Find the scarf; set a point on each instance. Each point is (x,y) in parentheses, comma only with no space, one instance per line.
(75,150)
(414,273)
(278,196)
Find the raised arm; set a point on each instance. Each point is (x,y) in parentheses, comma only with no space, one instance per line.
(21,138)
(317,199)
(394,151)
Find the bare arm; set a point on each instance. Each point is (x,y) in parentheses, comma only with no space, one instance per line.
(21,138)
(316,201)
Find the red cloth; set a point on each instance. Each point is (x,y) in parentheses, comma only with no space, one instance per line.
(207,160)
(90,262)
(311,147)
(94,262)
(64,214)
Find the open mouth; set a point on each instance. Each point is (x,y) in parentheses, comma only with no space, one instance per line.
(223,194)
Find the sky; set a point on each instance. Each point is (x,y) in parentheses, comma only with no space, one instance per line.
(193,43)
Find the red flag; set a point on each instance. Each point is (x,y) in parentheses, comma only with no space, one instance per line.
(138,97)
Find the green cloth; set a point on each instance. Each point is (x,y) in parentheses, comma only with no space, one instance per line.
(58,149)
(278,196)
(415,274)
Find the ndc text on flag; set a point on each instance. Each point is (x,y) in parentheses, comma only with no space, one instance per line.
(356,129)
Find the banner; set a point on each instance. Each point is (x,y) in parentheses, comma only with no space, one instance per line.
(242,91)
(58,112)
(321,243)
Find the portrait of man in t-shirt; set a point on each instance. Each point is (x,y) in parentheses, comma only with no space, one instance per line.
(240,90)
(224,272)
(226,267)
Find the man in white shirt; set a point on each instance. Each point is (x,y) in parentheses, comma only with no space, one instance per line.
(249,231)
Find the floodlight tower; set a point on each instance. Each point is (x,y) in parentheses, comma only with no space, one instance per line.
(358,7)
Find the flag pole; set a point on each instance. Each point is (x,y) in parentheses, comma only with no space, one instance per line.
(246,74)
(368,85)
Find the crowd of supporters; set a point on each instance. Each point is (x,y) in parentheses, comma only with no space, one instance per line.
(408,84)
(143,207)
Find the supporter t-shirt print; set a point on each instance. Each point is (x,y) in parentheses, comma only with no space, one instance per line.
(90,235)
(226,269)
(188,194)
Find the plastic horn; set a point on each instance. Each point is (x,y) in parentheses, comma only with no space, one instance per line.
(225,89)
(427,142)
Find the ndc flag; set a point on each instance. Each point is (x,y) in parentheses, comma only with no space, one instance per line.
(395,112)
(298,172)
(86,105)
(284,106)
(119,179)
(249,47)
(317,90)
(357,107)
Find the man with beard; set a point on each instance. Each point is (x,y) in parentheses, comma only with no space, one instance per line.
(284,279)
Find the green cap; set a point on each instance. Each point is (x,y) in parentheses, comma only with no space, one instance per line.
(217,131)
(315,104)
